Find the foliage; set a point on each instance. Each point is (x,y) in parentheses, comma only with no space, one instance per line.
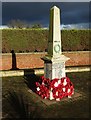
(16,104)
(75,40)
(36,40)
(21,107)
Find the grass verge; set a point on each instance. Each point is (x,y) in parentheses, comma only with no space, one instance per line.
(17,102)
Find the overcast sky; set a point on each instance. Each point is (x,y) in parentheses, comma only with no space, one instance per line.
(72,13)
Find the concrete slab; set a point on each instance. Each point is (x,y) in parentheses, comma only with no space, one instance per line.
(77,95)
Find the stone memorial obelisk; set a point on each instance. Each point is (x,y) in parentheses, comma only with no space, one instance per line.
(54,61)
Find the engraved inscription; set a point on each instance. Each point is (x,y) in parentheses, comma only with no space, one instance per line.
(59,70)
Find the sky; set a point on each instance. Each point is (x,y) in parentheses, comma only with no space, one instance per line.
(72,14)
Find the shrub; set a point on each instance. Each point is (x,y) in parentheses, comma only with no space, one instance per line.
(37,39)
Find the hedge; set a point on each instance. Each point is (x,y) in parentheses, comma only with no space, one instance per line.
(33,40)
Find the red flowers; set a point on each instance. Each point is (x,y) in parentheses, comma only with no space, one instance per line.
(55,89)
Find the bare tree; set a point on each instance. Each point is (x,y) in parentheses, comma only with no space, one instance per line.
(37,25)
(17,24)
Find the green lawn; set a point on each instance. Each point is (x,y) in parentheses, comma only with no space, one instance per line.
(17,102)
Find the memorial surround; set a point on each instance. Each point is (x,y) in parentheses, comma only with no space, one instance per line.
(54,84)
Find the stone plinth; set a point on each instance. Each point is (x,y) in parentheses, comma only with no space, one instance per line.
(54,67)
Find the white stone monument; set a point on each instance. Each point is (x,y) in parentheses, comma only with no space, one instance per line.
(54,61)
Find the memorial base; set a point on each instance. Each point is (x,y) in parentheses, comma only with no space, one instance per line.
(54,67)
(77,95)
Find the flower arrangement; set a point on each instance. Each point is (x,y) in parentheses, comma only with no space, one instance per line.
(54,89)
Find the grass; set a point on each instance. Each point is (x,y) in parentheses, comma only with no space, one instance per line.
(16,89)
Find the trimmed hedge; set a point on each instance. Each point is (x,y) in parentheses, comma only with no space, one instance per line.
(36,40)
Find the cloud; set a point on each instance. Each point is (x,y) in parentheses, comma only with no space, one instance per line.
(75,26)
(75,13)
(71,13)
